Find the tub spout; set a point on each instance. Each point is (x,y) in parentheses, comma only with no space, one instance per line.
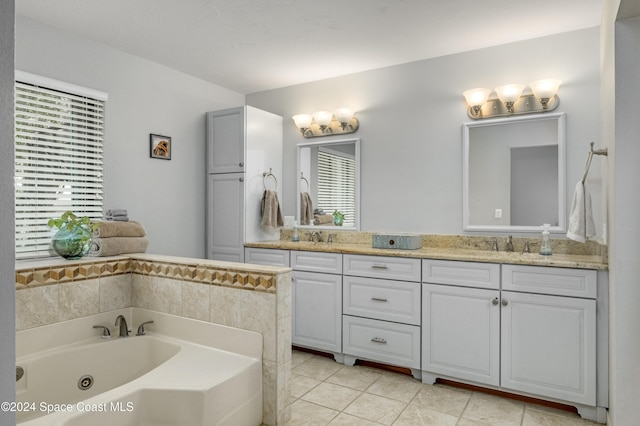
(124,331)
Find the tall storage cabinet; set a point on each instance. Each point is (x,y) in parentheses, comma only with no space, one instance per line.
(243,144)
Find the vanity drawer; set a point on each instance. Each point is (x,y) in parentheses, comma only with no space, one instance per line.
(467,274)
(546,280)
(313,261)
(259,256)
(395,268)
(397,301)
(388,342)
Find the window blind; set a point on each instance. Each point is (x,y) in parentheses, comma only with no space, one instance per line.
(336,185)
(58,162)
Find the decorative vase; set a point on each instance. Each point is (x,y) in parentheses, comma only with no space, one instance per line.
(72,244)
(337,220)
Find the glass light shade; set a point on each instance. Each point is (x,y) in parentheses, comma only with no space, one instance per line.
(343,115)
(476,97)
(303,121)
(510,92)
(322,118)
(545,89)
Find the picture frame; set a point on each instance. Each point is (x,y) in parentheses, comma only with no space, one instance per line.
(160,146)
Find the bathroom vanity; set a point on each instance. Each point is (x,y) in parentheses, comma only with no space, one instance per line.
(522,323)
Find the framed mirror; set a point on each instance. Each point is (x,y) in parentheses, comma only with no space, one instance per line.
(514,174)
(328,177)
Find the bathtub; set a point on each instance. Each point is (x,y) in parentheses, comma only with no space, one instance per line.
(182,372)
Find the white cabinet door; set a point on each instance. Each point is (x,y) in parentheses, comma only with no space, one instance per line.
(461,333)
(260,256)
(317,311)
(225,141)
(225,217)
(549,346)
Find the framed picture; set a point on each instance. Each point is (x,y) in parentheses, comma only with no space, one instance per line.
(160,147)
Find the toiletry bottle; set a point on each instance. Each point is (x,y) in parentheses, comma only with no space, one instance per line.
(295,238)
(545,245)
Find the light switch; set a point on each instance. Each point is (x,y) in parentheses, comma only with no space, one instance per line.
(498,214)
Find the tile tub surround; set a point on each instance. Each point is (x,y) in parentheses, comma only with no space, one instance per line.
(250,297)
(566,253)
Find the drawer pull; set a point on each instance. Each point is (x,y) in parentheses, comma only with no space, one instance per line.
(378,299)
(378,340)
(378,266)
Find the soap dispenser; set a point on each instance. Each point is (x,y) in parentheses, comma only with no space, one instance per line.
(545,246)
(295,238)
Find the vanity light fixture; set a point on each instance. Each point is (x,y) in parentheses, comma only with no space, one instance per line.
(325,123)
(511,100)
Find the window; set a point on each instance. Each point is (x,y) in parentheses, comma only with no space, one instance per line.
(58,160)
(336,184)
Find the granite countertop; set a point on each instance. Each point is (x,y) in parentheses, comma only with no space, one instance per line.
(580,261)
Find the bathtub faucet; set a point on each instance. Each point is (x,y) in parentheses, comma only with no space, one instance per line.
(124,331)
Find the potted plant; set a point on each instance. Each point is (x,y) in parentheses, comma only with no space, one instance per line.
(338,218)
(73,239)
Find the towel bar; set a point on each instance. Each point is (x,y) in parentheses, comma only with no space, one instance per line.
(592,152)
(266,175)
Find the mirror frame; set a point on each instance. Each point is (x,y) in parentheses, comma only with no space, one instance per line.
(562,219)
(356,141)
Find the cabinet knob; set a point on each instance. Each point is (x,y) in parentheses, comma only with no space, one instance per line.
(378,340)
(505,302)
(241,179)
(495,301)
(241,164)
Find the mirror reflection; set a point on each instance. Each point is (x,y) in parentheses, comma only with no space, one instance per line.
(514,177)
(328,184)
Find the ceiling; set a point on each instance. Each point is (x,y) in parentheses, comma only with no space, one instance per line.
(255,45)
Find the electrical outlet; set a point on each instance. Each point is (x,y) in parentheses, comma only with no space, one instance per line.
(498,214)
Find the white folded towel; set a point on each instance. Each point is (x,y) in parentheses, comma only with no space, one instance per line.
(581,224)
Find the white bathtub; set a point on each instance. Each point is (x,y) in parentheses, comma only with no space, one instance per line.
(209,375)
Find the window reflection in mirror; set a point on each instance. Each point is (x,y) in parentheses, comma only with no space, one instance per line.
(328,182)
(514,174)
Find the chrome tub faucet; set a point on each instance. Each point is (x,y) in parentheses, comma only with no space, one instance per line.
(124,330)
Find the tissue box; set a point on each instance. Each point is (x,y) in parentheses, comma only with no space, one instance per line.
(397,241)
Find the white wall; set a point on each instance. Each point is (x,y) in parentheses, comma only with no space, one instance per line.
(7,226)
(410,124)
(621,128)
(144,97)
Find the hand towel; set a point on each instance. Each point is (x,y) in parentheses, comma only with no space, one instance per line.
(117,245)
(306,208)
(116,212)
(323,219)
(271,214)
(119,229)
(581,224)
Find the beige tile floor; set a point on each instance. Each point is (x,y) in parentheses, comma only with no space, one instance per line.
(324,392)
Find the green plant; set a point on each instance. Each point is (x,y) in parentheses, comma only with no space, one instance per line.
(338,218)
(70,222)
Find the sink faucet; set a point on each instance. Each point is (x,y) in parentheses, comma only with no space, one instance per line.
(124,330)
(510,243)
(316,236)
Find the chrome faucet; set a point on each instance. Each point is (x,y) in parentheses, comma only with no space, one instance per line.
(315,236)
(509,243)
(124,330)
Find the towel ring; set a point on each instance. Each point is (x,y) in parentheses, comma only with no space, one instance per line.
(305,179)
(266,175)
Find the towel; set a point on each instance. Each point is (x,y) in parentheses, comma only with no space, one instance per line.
(323,219)
(306,208)
(117,245)
(119,215)
(119,229)
(270,210)
(581,225)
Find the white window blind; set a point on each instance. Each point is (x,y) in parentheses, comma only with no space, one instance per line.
(336,184)
(58,162)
